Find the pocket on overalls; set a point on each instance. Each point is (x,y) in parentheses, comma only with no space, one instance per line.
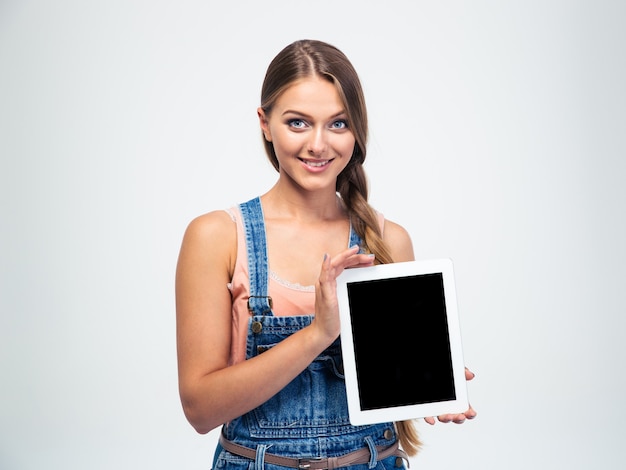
(332,359)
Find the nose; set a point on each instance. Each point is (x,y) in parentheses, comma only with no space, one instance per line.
(317,144)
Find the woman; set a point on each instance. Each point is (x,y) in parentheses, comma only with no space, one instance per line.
(257,315)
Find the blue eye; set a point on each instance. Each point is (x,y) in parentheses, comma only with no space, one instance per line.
(339,124)
(296,123)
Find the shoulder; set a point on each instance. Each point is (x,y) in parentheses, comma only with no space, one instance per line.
(208,226)
(212,237)
(399,241)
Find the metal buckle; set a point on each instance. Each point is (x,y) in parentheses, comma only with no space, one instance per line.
(269,301)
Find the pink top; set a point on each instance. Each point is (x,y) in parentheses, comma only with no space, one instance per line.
(288,299)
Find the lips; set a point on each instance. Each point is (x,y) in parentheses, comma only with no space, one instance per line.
(315,163)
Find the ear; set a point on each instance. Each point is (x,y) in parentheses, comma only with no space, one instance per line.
(263,121)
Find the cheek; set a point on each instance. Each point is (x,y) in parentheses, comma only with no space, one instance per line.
(346,146)
(287,142)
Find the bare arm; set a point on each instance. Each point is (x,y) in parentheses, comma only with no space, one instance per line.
(212,392)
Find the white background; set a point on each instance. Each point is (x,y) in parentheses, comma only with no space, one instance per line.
(497,139)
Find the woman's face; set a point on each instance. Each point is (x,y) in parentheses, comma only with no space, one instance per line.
(309,131)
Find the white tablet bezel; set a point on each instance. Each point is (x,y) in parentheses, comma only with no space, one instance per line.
(359,416)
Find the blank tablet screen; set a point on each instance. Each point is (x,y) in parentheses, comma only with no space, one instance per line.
(401,341)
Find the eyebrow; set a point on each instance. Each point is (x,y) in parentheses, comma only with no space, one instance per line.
(299,113)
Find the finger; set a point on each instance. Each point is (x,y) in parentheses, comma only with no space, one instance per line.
(470,413)
(349,258)
(328,277)
(361,261)
(445,418)
(459,419)
(326,268)
(355,259)
(469,375)
(430,420)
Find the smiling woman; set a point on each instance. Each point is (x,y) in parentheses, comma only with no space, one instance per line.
(257,308)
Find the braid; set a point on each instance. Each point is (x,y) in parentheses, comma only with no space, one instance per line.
(352,186)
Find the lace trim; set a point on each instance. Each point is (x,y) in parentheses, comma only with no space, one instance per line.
(291,285)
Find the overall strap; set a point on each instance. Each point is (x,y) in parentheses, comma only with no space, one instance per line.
(259,302)
(354,238)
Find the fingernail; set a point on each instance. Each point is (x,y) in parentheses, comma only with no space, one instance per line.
(325,256)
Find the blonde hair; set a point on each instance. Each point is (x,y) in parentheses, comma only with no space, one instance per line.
(307,58)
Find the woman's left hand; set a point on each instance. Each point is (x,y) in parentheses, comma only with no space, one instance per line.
(456,418)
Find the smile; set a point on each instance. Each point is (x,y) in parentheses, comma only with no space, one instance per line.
(316,163)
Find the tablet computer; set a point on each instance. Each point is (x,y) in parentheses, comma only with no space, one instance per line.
(401,341)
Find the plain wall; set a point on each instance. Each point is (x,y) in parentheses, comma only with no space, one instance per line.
(497,139)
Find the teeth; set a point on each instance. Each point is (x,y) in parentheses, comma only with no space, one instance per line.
(316,164)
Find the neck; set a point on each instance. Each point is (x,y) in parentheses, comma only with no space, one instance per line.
(302,205)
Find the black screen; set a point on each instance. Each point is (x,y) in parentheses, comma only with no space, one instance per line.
(401,342)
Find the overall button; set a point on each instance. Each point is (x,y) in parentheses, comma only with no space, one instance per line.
(388,434)
(399,462)
(256,327)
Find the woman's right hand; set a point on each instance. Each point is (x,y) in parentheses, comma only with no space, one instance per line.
(326,304)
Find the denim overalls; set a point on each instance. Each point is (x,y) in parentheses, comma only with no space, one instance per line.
(309,417)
